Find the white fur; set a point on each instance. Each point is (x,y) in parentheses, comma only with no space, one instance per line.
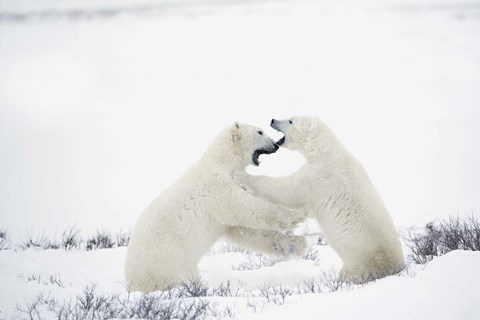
(179,226)
(335,189)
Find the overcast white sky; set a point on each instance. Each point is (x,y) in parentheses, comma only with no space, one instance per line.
(98,116)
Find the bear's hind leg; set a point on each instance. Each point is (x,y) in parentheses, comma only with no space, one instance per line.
(164,273)
(267,241)
(358,274)
(180,268)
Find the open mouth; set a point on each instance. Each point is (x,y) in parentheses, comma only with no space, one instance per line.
(281,141)
(275,126)
(258,152)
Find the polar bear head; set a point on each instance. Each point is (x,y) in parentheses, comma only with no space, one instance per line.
(298,132)
(241,144)
(302,133)
(250,142)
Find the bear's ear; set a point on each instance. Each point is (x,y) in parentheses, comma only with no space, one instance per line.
(236,136)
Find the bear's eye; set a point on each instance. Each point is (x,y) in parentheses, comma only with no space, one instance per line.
(290,121)
(260,132)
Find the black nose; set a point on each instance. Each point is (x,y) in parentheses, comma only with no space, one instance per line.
(272,122)
(276,146)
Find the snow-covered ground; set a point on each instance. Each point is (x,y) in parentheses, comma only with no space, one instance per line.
(445,288)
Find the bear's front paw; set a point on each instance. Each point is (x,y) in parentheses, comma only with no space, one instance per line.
(293,246)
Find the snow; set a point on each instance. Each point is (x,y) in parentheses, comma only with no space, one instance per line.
(443,289)
(76,269)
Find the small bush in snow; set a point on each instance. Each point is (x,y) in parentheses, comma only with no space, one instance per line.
(225,290)
(34,277)
(4,240)
(191,300)
(32,309)
(38,241)
(197,288)
(192,289)
(93,305)
(332,282)
(122,238)
(313,255)
(101,240)
(71,238)
(52,279)
(328,281)
(255,304)
(257,261)
(310,286)
(440,238)
(55,279)
(276,294)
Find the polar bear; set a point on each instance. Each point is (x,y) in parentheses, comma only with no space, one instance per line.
(336,191)
(180,225)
